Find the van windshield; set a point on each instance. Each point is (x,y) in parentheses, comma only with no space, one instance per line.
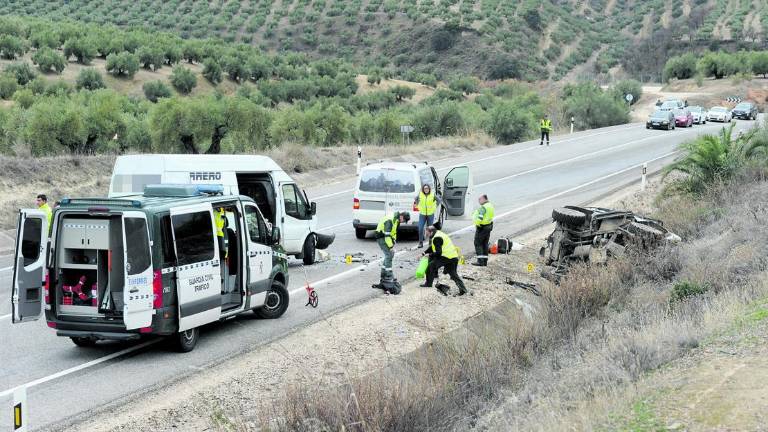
(387,180)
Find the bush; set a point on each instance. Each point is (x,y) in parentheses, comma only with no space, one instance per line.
(680,67)
(8,86)
(155,90)
(151,57)
(89,79)
(83,49)
(622,88)
(465,84)
(22,71)
(212,71)
(124,63)
(438,120)
(509,123)
(374,78)
(760,63)
(11,47)
(402,92)
(47,59)
(24,98)
(58,88)
(183,79)
(686,289)
(592,107)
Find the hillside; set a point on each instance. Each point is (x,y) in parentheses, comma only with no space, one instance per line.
(490,38)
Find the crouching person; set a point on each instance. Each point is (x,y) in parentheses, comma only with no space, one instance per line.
(442,254)
(386,237)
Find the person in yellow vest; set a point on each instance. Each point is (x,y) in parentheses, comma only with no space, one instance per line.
(221,224)
(42,204)
(442,253)
(546,127)
(426,202)
(483,220)
(386,236)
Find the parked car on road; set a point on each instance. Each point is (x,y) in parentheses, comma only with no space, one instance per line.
(745,111)
(683,117)
(661,120)
(719,113)
(699,115)
(672,104)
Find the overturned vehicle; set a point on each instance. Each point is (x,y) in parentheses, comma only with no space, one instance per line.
(594,234)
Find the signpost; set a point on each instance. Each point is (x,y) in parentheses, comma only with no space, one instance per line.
(359,158)
(20,409)
(572,121)
(406,131)
(629,98)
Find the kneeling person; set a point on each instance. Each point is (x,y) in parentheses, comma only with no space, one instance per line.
(442,253)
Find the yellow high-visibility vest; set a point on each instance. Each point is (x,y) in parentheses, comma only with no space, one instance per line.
(546,125)
(448,250)
(427,204)
(389,236)
(487,217)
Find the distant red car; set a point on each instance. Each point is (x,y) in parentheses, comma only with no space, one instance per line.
(683,118)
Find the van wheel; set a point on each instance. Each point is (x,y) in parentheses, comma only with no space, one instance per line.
(187,340)
(308,251)
(83,342)
(360,233)
(276,303)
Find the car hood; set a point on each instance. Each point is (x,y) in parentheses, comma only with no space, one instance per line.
(681,117)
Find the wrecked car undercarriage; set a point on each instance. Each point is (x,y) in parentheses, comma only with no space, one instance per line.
(595,234)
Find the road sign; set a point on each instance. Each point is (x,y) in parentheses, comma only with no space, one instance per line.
(629,97)
(406,129)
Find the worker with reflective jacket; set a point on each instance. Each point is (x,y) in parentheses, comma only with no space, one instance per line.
(546,127)
(386,236)
(42,205)
(483,220)
(426,202)
(442,253)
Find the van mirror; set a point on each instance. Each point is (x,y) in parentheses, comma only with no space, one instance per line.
(313,208)
(275,235)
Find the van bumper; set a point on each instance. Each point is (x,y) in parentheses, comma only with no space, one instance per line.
(411,226)
(98,335)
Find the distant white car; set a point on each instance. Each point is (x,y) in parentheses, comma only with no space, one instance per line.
(720,114)
(699,115)
(672,104)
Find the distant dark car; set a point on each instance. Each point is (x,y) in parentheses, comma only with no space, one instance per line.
(661,120)
(745,111)
(683,117)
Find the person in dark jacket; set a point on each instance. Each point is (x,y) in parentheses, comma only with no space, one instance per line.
(442,253)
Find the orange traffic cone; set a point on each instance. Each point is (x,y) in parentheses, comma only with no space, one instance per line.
(494,249)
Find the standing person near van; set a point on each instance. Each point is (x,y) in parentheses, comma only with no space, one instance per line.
(42,204)
(426,202)
(442,253)
(386,236)
(546,127)
(483,220)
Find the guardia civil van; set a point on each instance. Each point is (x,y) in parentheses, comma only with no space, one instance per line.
(159,263)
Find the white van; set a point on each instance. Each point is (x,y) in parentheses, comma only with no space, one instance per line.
(258,177)
(388,187)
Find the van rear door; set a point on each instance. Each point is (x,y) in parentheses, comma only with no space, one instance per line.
(198,270)
(137,291)
(29,265)
(296,217)
(456,187)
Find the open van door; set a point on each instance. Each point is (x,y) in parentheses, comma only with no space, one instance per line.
(456,186)
(137,291)
(29,265)
(198,266)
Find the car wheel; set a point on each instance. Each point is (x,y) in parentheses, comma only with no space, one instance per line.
(308,251)
(647,127)
(276,302)
(360,233)
(83,342)
(568,216)
(186,340)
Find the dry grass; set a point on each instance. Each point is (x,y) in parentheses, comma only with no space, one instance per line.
(593,337)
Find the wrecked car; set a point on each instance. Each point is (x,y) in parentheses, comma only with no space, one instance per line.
(594,234)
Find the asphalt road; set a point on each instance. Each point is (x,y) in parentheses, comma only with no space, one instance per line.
(524,181)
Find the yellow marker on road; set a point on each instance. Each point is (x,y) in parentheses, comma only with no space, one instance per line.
(348,259)
(530,267)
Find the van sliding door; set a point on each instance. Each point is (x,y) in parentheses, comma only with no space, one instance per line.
(198,269)
(26,291)
(137,290)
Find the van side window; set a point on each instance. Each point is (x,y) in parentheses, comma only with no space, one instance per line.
(295,205)
(169,254)
(426,178)
(138,255)
(255,226)
(30,244)
(194,237)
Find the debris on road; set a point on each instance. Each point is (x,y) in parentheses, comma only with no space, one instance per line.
(525,286)
(594,234)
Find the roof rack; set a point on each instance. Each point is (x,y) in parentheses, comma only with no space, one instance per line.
(99,202)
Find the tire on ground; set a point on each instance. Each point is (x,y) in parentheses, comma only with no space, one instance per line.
(568,216)
(644,231)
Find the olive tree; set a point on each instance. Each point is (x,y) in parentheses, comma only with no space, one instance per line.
(183,79)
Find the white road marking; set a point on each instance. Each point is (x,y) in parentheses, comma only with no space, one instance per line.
(469,227)
(80,367)
(6,268)
(485,158)
(334,226)
(5,317)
